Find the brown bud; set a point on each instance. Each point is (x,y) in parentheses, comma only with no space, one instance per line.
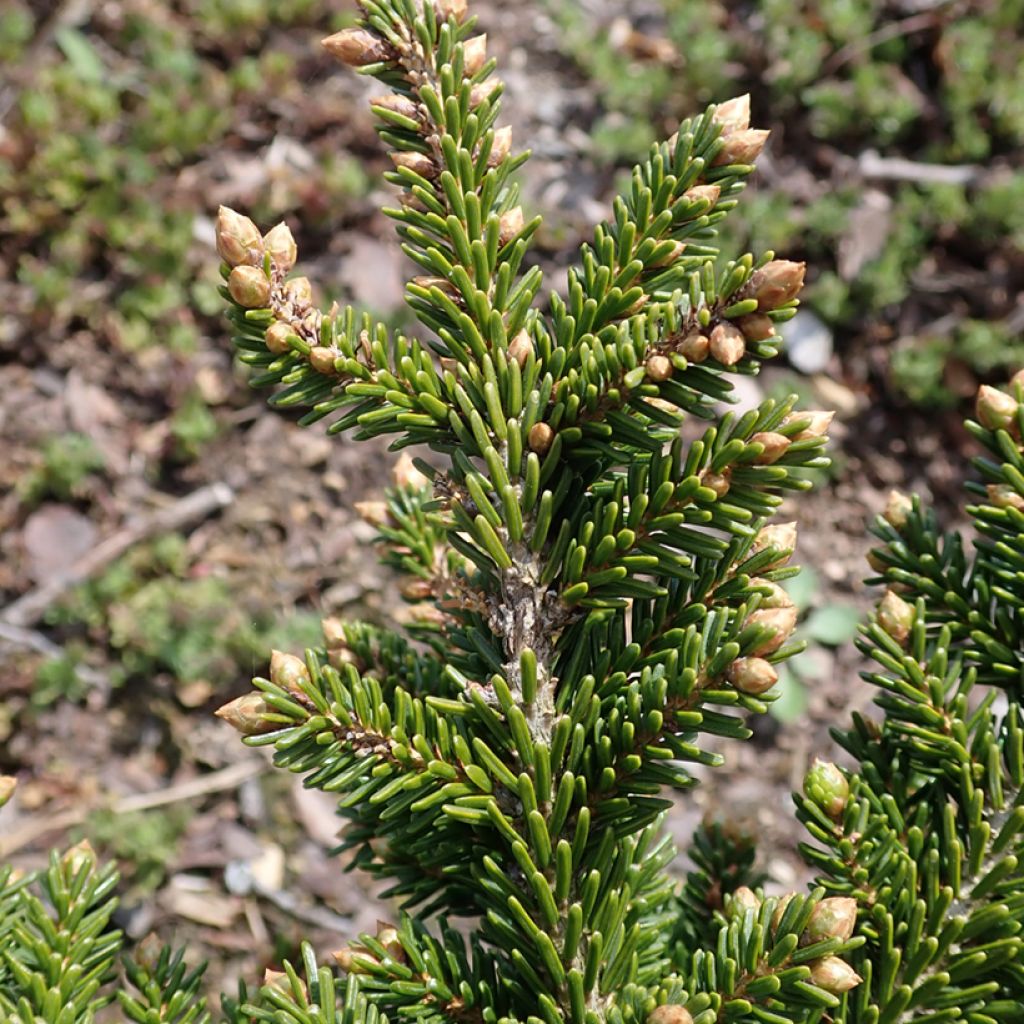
(451,8)
(781,537)
(659,368)
(742,147)
(299,292)
(996,410)
(387,936)
(781,620)
(727,344)
(280,243)
(875,560)
(780,909)
(8,784)
(334,632)
(733,115)
(277,337)
(834,975)
(670,1014)
(744,899)
(474,54)
(322,359)
(521,348)
(718,482)
(695,347)
(636,307)
(428,281)
(79,856)
(703,193)
(670,257)
(895,616)
(407,476)
(246,713)
(418,163)
(288,671)
(775,446)
(276,979)
(483,91)
(1017,380)
(832,918)
(373,512)
(756,326)
(511,224)
(357,47)
(249,287)
(501,147)
(776,596)
(752,675)
(238,239)
(540,438)
(776,283)
(348,958)
(398,104)
(818,421)
(1004,496)
(415,588)
(898,507)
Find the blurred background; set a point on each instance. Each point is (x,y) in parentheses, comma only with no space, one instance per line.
(202,529)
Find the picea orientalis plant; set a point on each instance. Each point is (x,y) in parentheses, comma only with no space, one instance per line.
(591,599)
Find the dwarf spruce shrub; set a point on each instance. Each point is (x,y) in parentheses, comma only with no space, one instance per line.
(591,602)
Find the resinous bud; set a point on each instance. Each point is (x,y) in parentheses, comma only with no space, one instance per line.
(782,622)
(280,243)
(238,239)
(776,283)
(1004,496)
(995,409)
(246,713)
(249,287)
(727,344)
(775,445)
(826,785)
(733,115)
(451,8)
(521,348)
(288,671)
(752,676)
(510,224)
(670,1013)
(895,616)
(407,476)
(781,538)
(834,975)
(898,507)
(474,54)
(743,899)
(818,421)
(540,438)
(695,347)
(742,147)
(756,326)
(277,337)
(357,47)
(418,163)
(832,918)
(501,147)
(703,193)
(659,368)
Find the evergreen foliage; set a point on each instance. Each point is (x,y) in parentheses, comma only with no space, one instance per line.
(592,600)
